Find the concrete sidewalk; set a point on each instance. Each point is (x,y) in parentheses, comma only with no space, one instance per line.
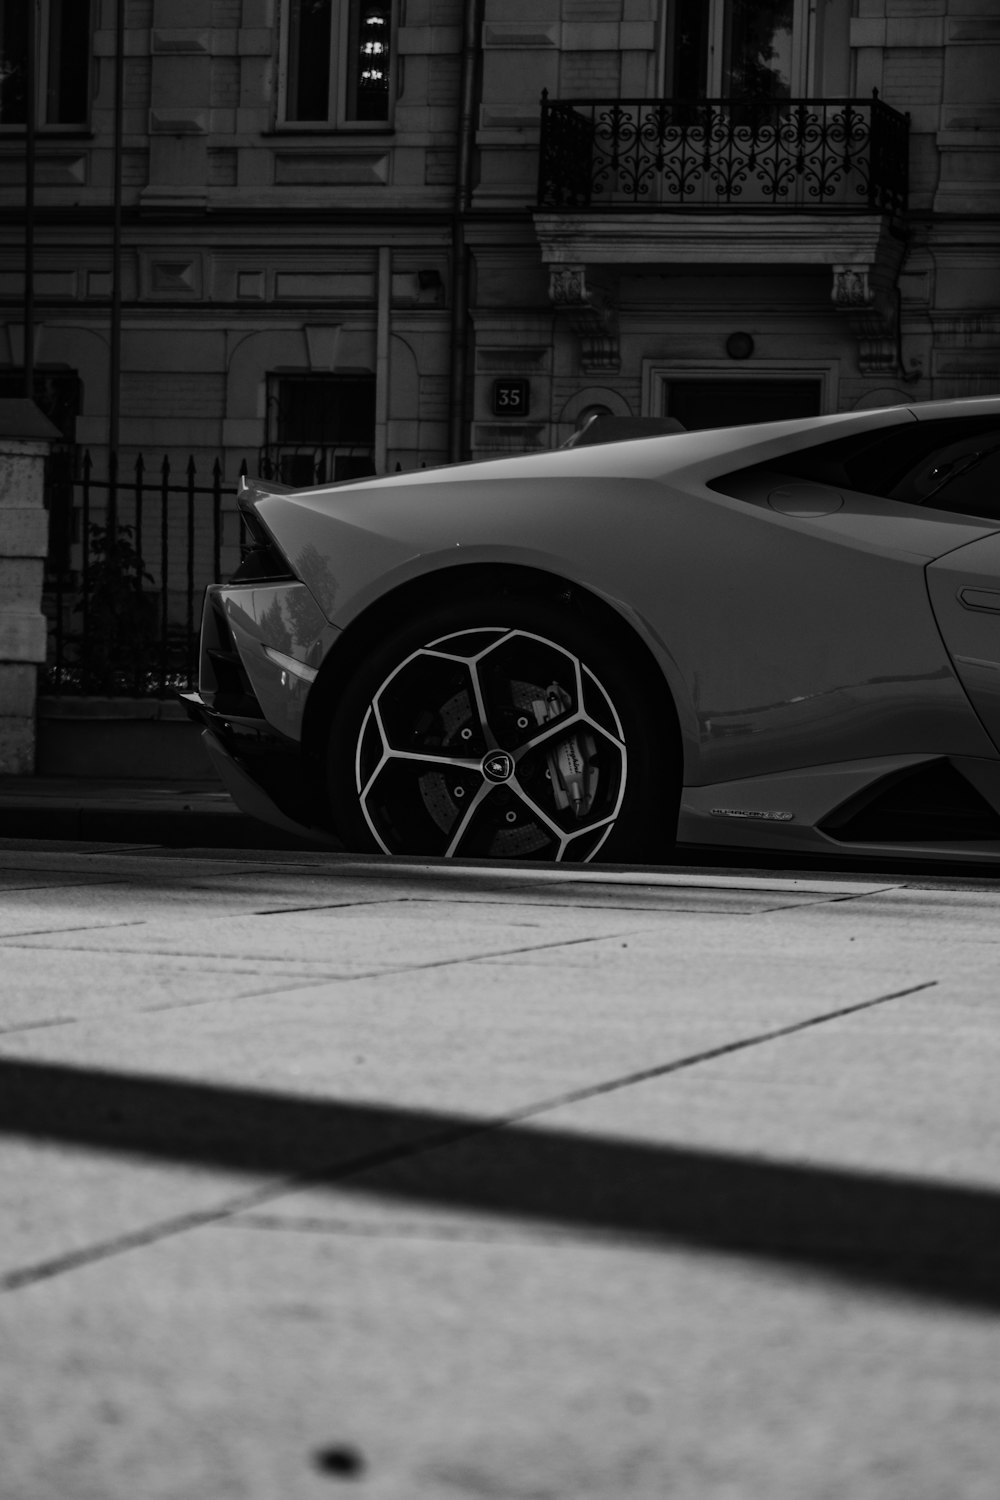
(471,1182)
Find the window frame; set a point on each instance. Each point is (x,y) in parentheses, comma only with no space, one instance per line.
(658,374)
(282,449)
(339,90)
(804,57)
(43,66)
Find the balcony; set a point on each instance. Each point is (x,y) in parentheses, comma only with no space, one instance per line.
(783,155)
(745,186)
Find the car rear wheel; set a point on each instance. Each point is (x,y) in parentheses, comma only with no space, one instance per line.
(503,730)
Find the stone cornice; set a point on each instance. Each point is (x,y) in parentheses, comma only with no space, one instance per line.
(714,238)
(861,251)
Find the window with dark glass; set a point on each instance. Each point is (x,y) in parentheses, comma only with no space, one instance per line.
(757,49)
(744,50)
(950,465)
(308,59)
(13,57)
(337,61)
(63,49)
(368,85)
(68,61)
(321,428)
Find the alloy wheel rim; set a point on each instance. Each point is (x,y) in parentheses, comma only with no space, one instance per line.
(491,742)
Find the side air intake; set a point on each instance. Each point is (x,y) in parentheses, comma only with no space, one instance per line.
(926,804)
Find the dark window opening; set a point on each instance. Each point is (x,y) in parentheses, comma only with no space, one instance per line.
(13,62)
(338,60)
(690,49)
(699,404)
(321,428)
(368,84)
(68,62)
(757,46)
(309,27)
(63,42)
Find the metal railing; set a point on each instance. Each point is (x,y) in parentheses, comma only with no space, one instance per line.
(784,154)
(123,596)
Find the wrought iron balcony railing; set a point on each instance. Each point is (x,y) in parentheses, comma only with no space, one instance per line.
(799,154)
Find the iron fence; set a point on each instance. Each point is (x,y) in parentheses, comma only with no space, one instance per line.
(804,154)
(124,590)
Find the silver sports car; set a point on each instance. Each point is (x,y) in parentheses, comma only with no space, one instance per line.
(782,636)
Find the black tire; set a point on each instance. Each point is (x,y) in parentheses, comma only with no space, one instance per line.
(504,728)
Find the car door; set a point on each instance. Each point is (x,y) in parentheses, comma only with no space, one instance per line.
(882,675)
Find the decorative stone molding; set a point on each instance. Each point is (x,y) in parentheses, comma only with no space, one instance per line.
(178,122)
(183,40)
(872,311)
(591,314)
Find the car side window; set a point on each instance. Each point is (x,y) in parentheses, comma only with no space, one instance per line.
(962,476)
(951,465)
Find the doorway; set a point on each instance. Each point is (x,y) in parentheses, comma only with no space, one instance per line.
(698,404)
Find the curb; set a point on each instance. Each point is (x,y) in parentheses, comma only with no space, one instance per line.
(174,820)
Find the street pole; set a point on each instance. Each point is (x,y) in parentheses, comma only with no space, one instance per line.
(30,95)
(114,373)
(459,399)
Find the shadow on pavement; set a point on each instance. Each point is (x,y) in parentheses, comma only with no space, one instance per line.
(887,1233)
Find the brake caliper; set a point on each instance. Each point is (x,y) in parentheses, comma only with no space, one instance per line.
(572,773)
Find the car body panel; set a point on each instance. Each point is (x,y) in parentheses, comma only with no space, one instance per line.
(965,593)
(282,638)
(793,623)
(824,595)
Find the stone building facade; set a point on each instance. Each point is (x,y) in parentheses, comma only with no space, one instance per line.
(321,231)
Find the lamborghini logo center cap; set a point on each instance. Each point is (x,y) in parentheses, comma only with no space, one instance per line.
(498,766)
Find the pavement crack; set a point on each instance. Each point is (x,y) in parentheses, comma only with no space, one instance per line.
(694,1059)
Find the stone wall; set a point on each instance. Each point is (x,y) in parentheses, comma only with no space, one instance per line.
(24,444)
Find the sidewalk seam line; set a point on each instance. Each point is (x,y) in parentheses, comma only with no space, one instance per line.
(266,1193)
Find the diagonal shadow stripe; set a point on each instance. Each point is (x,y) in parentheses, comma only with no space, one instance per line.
(925,1238)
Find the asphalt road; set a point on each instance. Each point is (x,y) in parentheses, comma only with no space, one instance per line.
(428,1181)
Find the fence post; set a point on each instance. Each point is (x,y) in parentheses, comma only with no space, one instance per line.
(216,520)
(139,470)
(88,465)
(164,568)
(243,525)
(188,652)
(111,513)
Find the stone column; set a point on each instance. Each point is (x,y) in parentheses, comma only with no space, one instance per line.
(25,439)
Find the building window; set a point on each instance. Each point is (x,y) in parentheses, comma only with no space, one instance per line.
(336,64)
(64,52)
(320,428)
(738,49)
